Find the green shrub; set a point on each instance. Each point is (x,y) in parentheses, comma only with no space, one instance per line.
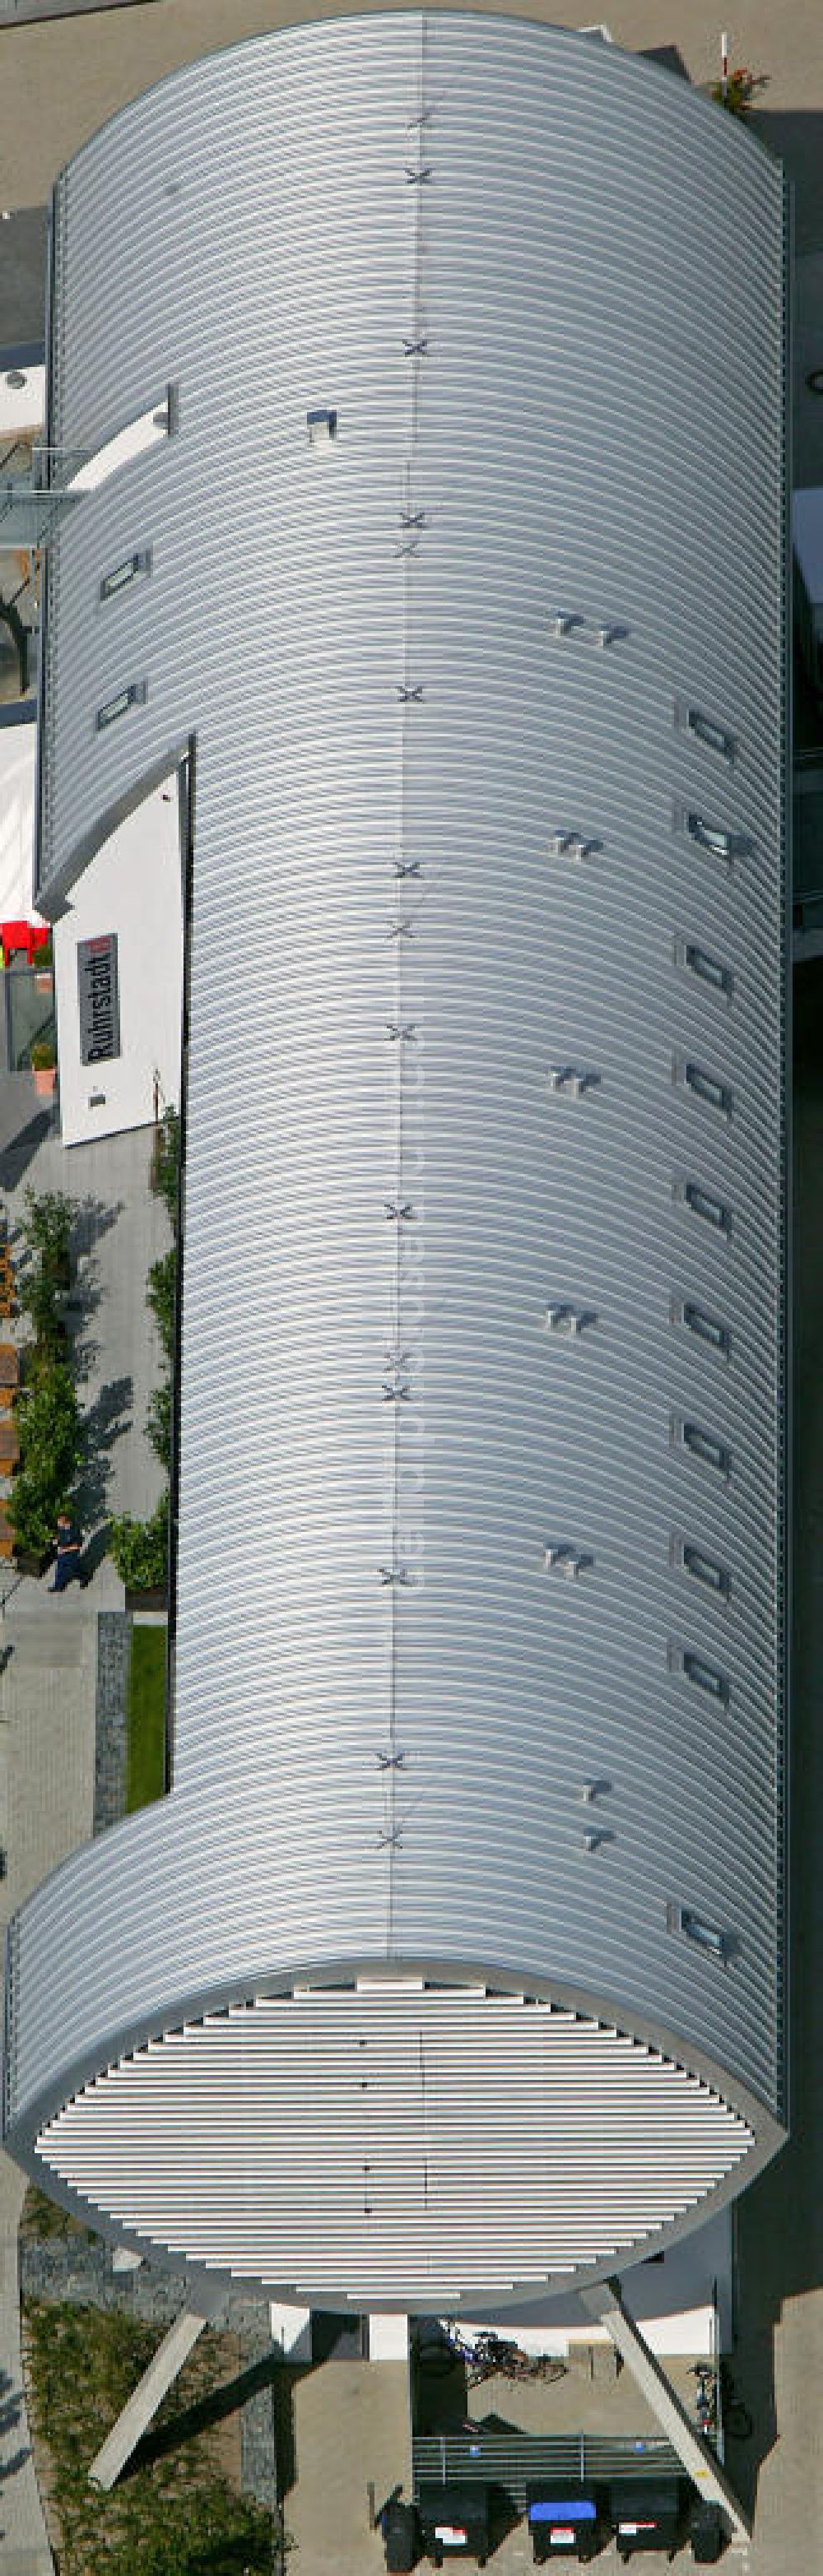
(165,1163)
(158,1423)
(48,1429)
(46,1226)
(140,1548)
(161,1296)
(38,1299)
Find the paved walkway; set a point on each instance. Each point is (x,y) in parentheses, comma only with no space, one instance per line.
(47,1701)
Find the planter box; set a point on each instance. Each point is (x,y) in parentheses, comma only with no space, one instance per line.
(152,1597)
(27,1562)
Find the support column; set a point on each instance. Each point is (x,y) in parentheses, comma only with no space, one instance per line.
(135,2417)
(604,2304)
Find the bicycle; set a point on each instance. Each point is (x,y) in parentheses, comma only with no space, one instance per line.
(490,2356)
(736,2419)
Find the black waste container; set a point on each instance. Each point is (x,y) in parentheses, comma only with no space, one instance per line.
(401,2536)
(564,2522)
(647,2513)
(707,2531)
(454,2521)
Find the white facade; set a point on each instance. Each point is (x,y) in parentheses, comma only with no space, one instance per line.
(132,888)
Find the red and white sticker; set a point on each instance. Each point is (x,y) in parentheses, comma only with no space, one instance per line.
(451,2535)
(561,2535)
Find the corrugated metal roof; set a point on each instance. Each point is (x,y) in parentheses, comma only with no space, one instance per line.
(441,847)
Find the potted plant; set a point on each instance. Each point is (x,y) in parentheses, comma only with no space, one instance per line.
(43,1061)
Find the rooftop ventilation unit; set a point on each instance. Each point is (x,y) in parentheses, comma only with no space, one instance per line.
(571,1078)
(322,428)
(573,845)
(570,1320)
(560,1558)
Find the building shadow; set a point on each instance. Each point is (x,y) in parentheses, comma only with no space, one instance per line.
(187,2422)
(779,2221)
(19,1149)
(106,1422)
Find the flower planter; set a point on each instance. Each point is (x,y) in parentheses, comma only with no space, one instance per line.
(42,983)
(45,1077)
(152,1596)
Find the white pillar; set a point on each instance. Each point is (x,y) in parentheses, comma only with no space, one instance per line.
(291,2330)
(389,2337)
(699,2460)
(135,2417)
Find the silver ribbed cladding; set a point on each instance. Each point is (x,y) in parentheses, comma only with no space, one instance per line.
(583,434)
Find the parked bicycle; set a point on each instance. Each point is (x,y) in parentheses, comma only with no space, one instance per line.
(736,2419)
(490,2356)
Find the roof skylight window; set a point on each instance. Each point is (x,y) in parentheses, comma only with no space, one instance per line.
(705,1569)
(704,1446)
(708,968)
(704,1086)
(709,836)
(695,1668)
(125,572)
(706,1328)
(134,696)
(706,1936)
(713,735)
(322,428)
(703,1204)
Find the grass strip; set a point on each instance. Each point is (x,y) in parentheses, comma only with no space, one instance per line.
(146,1765)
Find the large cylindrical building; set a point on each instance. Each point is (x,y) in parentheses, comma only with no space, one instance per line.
(429,380)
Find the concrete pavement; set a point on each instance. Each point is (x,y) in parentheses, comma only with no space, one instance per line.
(47,1701)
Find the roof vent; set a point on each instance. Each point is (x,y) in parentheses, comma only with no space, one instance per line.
(571,1078)
(610,634)
(560,1558)
(570,1320)
(322,428)
(564,622)
(573,845)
